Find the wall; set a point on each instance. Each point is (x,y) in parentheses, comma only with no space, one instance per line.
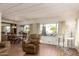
(66,28)
(70,31)
(40,20)
(7,21)
(70,27)
(77,35)
(34,28)
(61,28)
(18,29)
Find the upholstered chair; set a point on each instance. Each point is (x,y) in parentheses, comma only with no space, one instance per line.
(32,44)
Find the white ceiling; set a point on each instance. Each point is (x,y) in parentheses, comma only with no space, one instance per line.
(38,11)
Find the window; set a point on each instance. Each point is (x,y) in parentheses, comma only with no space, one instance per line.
(49,29)
(5,28)
(26,28)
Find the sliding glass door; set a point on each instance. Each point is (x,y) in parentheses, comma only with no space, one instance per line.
(49,33)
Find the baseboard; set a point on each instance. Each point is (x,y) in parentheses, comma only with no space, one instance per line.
(48,44)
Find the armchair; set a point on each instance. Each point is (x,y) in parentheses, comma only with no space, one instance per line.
(32,44)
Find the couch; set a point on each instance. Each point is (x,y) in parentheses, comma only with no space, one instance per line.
(4,48)
(32,44)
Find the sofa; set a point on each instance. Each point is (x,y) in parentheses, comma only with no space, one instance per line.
(4,48)
(31,46)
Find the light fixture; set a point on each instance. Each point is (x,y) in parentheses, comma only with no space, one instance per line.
(13,26)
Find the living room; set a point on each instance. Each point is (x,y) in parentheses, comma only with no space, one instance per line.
(55,28)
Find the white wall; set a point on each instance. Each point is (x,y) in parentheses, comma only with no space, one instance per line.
(8,21)
(30,21)
(18,29)
(61,27)
(66,27)
(34,28)
(77,35)
(70,27)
